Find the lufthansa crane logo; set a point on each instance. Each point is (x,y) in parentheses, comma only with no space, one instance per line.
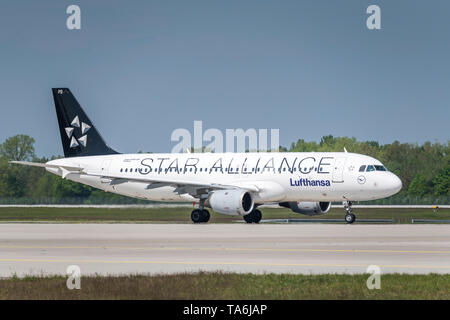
(361,179)
(84,127)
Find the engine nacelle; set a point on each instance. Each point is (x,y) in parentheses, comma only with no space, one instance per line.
(308,208)
(231,202)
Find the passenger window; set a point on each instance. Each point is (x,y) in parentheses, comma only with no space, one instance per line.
(362,168)
(370,168)
(121,170)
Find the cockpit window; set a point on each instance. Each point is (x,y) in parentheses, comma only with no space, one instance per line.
(380,168)
(362,168)
(370,168)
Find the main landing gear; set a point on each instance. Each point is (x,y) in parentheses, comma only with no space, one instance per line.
(253,217)
(349,216)
(200,215)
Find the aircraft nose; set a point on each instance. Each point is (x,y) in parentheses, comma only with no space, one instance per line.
(396,184)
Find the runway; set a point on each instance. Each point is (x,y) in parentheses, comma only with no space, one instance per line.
(172,248)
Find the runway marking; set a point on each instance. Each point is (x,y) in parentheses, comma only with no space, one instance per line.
(222,263)
(232,249)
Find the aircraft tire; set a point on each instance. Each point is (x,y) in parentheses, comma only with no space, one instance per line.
(205,215)
(196,216)
(248,218)
(350,218)
(257,216)
(253,217)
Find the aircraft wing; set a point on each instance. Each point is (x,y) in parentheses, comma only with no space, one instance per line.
(193,187)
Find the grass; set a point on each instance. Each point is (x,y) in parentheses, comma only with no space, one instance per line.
(230,286)
(183,214)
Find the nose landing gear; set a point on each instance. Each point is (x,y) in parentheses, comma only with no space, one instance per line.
(349,216)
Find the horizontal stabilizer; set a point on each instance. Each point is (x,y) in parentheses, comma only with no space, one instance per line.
(65,170)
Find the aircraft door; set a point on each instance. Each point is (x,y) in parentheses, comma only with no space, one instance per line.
(338,169)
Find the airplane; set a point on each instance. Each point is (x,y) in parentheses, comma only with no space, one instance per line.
(229,183)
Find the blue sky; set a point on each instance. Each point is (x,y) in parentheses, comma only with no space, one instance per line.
(309,68)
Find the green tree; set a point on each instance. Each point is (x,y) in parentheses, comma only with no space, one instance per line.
(303,146)
(419,186)
(442,181)
(63,188)
(19,148)
(13,180)
(327,140)
(401,159)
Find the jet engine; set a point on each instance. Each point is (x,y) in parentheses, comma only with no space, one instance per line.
(231,202)
(308,208)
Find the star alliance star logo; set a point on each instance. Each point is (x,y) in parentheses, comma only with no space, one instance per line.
(75,142)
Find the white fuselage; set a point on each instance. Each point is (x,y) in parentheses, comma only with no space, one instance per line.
(277,177)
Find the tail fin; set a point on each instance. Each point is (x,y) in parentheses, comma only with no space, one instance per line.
(78,135)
